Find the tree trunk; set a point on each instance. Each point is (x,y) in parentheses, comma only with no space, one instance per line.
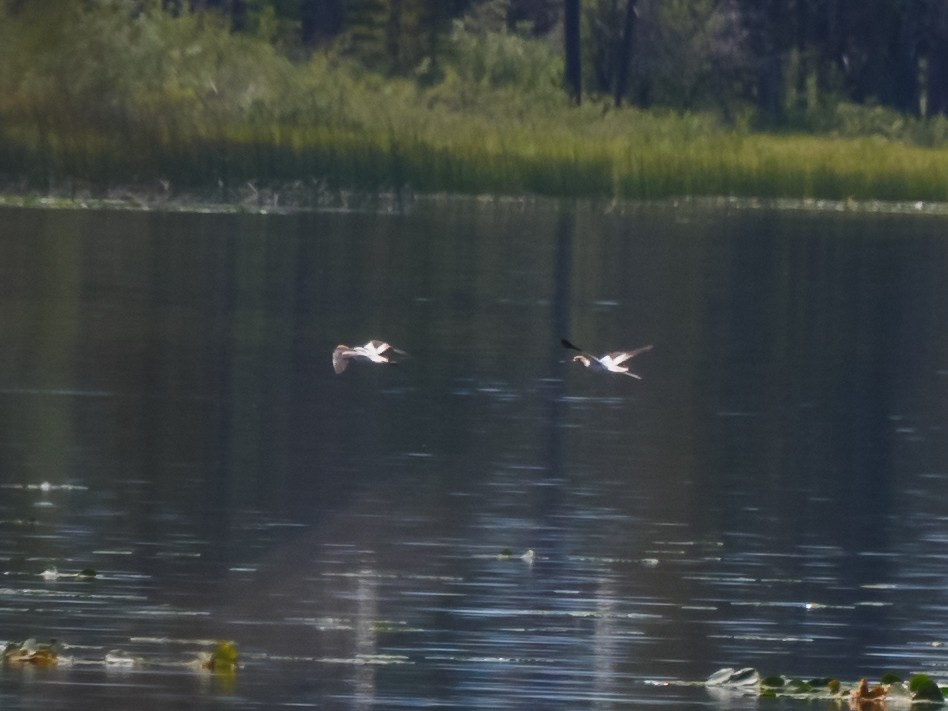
(904,91)
(937,88)
(764,21)
(625,52)
(936,85)
(238,15)
(574,67)
(770,88)
(830,66)
(320,20)
(393,39)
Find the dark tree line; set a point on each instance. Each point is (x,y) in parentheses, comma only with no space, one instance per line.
(781,55)
(893,52)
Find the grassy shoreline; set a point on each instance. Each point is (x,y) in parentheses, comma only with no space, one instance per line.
(163,107)
(310,165)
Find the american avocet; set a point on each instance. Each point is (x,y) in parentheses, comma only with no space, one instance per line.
(371,352)
(611,362)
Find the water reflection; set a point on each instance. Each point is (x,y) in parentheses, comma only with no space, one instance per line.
(771,494)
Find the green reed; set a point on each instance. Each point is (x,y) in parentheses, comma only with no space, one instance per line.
(503,158)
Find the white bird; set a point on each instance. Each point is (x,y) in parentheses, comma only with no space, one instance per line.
(371,352)
(611,362)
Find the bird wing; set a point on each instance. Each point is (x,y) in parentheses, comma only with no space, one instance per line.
(622,356)
(377,346)
(340,358)
(381,347)
(567,344)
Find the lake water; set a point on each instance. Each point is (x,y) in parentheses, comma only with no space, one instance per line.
(773,493)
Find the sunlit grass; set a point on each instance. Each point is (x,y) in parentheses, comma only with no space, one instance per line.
(470,156)
(188,105)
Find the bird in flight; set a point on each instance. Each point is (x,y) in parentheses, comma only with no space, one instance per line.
(372,352)
(609,363)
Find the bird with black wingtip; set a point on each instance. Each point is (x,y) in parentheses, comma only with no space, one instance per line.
(378,352)
(608,363)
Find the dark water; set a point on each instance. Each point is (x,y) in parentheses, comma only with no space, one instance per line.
(773,492)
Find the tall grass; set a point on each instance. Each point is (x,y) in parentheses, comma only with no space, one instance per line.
(131,101)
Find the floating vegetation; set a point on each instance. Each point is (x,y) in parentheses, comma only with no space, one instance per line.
(891,689)
(30,651)
(773,685)
(222,659)
(924,688)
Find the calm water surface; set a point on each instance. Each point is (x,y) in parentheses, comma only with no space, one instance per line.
(773,492)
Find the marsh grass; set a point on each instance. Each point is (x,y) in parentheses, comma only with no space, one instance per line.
(504,158)
(185,104)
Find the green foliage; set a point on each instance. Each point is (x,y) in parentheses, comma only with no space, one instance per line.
(131,94)
(395,37)
(150,70)
(686,54)
(505,59)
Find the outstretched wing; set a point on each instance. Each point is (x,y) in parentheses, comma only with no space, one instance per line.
(622,356)
(567,344)
(381,347)
(340,358)
(377,346)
